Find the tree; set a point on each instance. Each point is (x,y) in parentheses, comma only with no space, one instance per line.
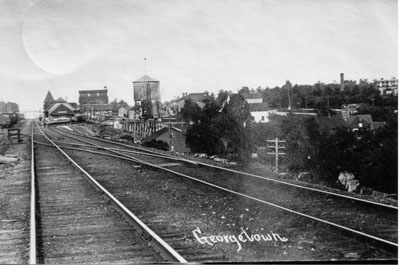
(202,138)
(232,122)
(244,89)
(223,131)
(272,97)
(191,111)
(299,145)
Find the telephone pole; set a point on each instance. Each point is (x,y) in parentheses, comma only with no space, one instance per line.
(276,152)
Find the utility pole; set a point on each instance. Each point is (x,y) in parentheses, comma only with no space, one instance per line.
(276,152)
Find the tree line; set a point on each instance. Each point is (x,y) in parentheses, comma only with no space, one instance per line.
(318,145)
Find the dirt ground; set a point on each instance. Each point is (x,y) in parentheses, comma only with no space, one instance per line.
(267,170)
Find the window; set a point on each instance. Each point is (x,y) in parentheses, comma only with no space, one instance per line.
(88,94)
(98,94)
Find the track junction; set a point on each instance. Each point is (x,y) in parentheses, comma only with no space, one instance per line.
(101,201)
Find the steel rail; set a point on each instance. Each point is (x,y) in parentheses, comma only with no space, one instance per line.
(32,237)
(274,205)
(252,175)
(378,239)
(122,150)
(302,187)
(92,152)
(126,145)
(167,249)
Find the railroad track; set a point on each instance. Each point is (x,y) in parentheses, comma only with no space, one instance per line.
(374,220)
(78,221)
(238,184)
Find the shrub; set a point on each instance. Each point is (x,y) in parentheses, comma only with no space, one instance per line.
(158,144)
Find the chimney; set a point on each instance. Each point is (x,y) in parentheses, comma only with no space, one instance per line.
(341,81)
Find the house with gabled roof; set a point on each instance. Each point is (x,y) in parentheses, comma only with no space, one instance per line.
(253,97)
(175,138)
(358,122)
(259,111)
(60,110)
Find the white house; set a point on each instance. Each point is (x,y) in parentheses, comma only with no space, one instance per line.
(260,112)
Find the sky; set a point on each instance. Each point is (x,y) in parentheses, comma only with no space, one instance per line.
(64,46)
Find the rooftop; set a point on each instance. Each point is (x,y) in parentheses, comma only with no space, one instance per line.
(196,97)
(93,91)
(145,78)
(252,95)
(258,107)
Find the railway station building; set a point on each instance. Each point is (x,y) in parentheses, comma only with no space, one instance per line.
(48,101)
(59,108)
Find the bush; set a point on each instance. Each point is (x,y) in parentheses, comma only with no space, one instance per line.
(158,144)
(127,137)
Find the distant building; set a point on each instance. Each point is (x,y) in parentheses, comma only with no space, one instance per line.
(123,112)
(93,96)
(97,111)
(146,93)
(146,88)
(260,112)
(174,137)
(387,86)
(341,81)
(198,98)
(349,109)
(94,103)
(60,110)
(253,97)
(48,101)
(8,107)
(358,122)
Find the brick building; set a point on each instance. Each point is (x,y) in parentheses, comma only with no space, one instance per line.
(94,101)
